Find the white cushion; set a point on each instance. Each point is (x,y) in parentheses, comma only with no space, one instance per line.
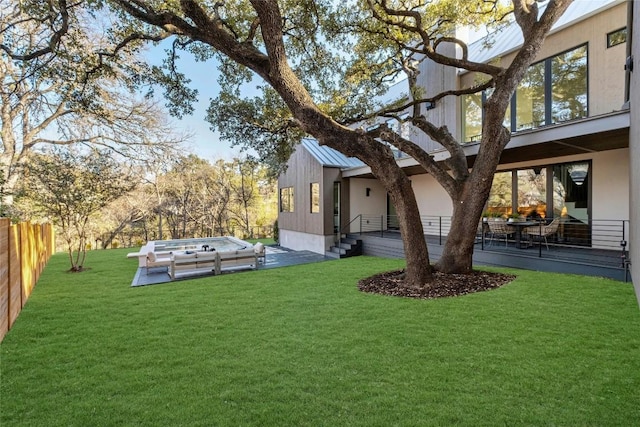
(184,256)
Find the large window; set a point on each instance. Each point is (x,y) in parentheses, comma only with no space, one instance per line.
(471,117)
(315,197)
(569,85)
(552,91)
(286,199)
(554,191)
(530,99)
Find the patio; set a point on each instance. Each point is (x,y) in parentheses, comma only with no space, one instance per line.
(275,257)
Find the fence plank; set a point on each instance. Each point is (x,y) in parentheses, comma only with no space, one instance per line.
(15,276)
(5,223)
(25,249)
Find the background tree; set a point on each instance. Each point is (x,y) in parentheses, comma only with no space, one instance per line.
(69,94)
(69,186)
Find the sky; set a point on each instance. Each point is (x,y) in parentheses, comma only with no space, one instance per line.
(204,143)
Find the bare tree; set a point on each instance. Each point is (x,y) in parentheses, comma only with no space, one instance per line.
(57,90)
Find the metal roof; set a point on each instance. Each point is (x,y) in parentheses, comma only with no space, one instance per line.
(510,38)
(329,157)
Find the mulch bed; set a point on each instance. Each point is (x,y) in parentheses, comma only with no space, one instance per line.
(445,285)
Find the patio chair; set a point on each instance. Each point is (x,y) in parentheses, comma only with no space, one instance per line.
(499,229)
(543,231)
(260,251)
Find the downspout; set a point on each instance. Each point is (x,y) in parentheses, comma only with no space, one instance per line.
(628,66)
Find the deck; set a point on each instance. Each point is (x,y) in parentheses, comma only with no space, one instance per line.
(558,259)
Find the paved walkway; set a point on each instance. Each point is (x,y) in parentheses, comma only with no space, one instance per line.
(275,257)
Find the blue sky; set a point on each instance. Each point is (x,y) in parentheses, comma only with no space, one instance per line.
(205,143)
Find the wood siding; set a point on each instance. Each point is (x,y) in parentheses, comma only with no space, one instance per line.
(303,169)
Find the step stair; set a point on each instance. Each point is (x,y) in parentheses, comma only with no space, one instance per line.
(349,245)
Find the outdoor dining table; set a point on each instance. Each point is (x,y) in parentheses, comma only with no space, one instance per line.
(519,226)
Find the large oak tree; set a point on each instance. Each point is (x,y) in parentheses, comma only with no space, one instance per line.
(322,71)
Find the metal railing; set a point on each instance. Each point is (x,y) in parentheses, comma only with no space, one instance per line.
(605,240)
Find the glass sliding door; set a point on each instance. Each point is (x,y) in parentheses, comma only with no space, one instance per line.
(500,198)
(571,201)
(547,192)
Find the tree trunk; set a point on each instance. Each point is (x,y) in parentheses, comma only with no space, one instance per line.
(457,254)
(469,202)
(397,184)
(419,270)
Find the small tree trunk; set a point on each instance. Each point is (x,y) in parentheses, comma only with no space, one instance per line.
(419,270)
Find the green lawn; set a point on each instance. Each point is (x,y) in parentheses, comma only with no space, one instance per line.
(301,346)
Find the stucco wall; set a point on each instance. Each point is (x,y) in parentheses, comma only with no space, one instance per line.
(375,204)
(431,197)
(299,241)
(610,187)
(605,72)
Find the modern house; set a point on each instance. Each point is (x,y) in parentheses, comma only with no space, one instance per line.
(568,158)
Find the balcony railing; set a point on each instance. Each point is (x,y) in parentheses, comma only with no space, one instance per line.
(599,240)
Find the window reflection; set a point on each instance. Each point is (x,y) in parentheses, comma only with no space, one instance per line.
(569,88)
(532,192)
(530,99)
(472,117)
(552,91)
(499,202)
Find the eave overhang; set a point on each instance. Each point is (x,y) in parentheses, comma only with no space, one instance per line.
(593,134)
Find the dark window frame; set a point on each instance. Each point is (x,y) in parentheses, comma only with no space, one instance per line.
(611,42)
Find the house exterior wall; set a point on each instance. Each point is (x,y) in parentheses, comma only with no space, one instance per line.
(300,241)
(360,204)
(302,229)
(605,71)
(610,188)
(303,169)
(634,153)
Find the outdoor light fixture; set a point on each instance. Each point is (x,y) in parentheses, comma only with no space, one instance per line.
(368,191)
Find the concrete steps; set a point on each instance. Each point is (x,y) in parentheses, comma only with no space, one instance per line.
(349,245)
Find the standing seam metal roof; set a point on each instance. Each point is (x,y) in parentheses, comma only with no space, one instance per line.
(510,38)
(327,156)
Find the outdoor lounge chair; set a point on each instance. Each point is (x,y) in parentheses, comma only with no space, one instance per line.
(498,229)
(154,260)
(543,231)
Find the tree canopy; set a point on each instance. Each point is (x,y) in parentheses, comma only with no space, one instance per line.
(326,65)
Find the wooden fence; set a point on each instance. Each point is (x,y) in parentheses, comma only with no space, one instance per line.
(25,249)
